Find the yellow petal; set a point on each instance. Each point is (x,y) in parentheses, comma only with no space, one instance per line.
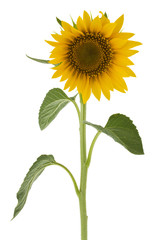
(123,83)
(126,52)
(60,45)
(105,81)
(76,32)
(54,55)
(106,93)
(121,60)
(80,24)
(116,83)
(131,44)
(71,80)
(96,25)
(64,77)
(57,37)
(123,35)
(128,72)
(55,61)
(81,81)
(117,43)
(58,52)
(53,44)
(119,23)
(67,36)
(123,71)
(86,20)
(104,20)
(86,91)
(95,88)
(66,26)
(104,87)
(65,74)
(68,83)
(119,80)
(73,83)
(57,74)
(118,87)
(107,29)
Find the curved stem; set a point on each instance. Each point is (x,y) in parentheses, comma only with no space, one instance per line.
(77,108)
(83,180)
(72,177)
(91,148)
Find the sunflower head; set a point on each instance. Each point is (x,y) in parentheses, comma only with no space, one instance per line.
(93,55)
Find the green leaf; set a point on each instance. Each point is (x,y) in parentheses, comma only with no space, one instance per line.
(123,131)
(53,103)
(33,173)
(59,21)
(39,60)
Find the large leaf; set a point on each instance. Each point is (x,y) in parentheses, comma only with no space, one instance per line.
(34,172)
(54,102)
(123,131)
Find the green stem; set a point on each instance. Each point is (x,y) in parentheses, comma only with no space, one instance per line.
(83,179)
(77,109)
(91,148)
(72,177)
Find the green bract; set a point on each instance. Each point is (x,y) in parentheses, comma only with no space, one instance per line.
(59,21)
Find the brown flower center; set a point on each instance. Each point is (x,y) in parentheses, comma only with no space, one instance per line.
(90,53)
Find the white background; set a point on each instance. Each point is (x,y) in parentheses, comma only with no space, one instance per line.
(121,192)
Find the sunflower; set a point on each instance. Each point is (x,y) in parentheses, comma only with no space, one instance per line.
(92,55)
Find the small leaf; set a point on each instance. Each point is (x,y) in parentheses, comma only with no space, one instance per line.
(59,21)
(39,60)
(123,131)
(33,173)
(53,103)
